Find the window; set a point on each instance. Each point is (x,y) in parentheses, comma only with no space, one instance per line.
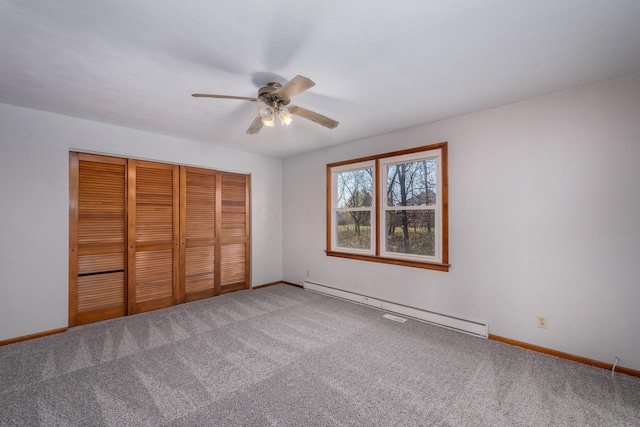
(354,214)
(390,208)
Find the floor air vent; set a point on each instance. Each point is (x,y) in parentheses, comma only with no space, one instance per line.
(394,318)
(467,326)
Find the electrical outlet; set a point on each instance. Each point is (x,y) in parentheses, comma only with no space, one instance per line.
(308,273)
(542,322)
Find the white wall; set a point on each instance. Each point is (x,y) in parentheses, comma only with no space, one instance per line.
(34,192)
(544,219)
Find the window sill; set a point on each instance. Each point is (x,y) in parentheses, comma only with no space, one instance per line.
(395,261)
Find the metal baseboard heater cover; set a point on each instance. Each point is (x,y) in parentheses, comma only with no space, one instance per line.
(466,326)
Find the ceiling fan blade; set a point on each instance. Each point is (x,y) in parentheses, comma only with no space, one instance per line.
(295,86)
(207,95)
(313,116)
(255,126)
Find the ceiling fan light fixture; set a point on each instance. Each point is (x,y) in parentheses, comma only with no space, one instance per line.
(284,116)
(268,116)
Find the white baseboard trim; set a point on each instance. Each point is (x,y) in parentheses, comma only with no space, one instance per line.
(456,323)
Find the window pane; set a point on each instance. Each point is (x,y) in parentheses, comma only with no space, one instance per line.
(411,232)
(412,184)
(354,230)
(354,188)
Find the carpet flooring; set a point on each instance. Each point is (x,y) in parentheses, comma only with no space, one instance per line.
(283,356)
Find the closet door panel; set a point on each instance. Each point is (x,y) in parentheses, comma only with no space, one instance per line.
(101,262)
(199,270)
(153,236)
(101,282)
(97,292)
(198,232)
(234,232)
(154,275)
(233,260)
(97,238)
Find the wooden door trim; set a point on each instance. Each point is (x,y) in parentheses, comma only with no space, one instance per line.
(74,177)
(247,267)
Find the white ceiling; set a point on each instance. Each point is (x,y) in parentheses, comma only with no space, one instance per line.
(379,66)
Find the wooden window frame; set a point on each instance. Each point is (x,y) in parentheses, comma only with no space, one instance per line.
(442,264)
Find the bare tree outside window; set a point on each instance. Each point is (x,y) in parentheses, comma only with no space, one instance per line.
(411,196)
(354,192)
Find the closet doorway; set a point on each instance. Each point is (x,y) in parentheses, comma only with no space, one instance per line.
(147,235)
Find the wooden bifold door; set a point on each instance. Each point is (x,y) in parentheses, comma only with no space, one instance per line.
(146,235)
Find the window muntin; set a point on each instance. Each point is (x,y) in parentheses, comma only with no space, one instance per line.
(399,202)
(353,208)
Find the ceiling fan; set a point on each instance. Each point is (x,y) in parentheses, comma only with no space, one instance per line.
(276,99)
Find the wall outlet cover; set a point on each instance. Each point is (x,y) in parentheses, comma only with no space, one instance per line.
(542,322)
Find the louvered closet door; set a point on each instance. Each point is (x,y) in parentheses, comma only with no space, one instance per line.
(234,232)
(153,258)
(97,240)
(198,232)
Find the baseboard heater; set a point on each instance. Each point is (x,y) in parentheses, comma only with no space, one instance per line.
(466,326)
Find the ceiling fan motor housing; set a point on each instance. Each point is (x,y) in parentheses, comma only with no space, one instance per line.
(269,95)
